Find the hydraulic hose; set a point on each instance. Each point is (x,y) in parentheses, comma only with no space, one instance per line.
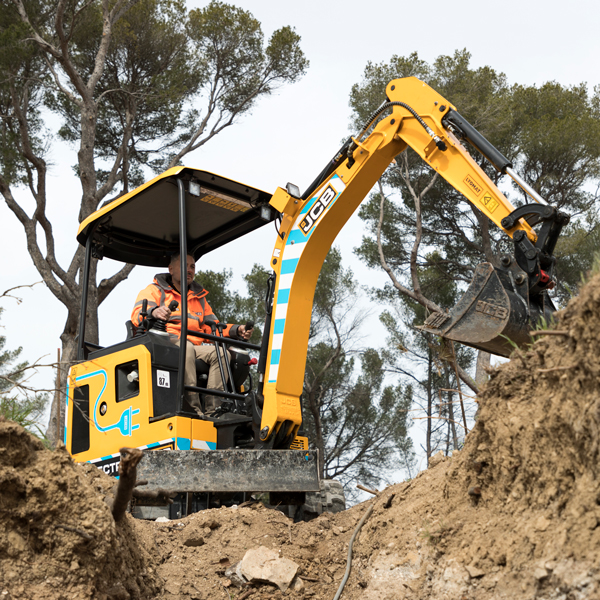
(347,150)
(438,141)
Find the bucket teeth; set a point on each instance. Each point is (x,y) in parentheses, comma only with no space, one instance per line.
(436,320)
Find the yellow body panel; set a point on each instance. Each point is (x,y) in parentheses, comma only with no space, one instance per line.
(114,425)
(204,435)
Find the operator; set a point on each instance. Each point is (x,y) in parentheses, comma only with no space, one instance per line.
(160,293)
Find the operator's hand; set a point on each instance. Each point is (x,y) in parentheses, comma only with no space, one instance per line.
(244,332)
(161,312)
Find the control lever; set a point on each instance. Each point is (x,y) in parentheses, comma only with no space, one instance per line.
(144,314)
(249,325)
(227,385)
(160,326)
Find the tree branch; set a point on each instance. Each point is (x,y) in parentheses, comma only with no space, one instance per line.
(432,306)
(108,285)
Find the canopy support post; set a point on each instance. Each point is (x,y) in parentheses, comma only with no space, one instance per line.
(184,289)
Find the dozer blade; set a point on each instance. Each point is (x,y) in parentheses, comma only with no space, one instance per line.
(489,313)
(232,470)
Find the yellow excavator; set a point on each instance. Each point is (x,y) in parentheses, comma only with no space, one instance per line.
(133,393)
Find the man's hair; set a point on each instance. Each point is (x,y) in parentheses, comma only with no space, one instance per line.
(175,258)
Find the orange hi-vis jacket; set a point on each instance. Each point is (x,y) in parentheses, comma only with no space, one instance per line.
(161,292)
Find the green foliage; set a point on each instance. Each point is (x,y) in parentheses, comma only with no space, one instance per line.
(21,77)
(425,360)
(552,135)
(576,253)
(481,96)
(228,48)
(162,64)
(135,85)
(557,130)
(16,403)
(146,81)
(357,422)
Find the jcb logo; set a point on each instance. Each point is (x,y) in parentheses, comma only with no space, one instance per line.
(317,210)
(498,312)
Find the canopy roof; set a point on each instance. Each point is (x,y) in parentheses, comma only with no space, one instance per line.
(142,227)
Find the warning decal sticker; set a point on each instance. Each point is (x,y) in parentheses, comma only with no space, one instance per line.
(489,203)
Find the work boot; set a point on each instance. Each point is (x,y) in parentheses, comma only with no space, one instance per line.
(211,403)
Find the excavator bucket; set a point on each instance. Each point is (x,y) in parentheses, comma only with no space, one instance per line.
(494,314)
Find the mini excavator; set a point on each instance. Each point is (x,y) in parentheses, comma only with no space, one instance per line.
(133,393)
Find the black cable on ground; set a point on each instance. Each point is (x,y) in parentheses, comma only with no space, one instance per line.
(349,560)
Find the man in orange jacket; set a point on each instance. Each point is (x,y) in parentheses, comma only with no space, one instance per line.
(160,293)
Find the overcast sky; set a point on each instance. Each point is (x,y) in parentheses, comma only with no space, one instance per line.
(291,135)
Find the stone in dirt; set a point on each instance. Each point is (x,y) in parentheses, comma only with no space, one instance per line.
(474,572)
(265,565)
(194,541)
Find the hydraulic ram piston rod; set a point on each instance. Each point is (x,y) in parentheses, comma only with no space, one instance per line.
(525,186)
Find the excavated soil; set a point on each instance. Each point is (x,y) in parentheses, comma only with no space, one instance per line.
(514,515)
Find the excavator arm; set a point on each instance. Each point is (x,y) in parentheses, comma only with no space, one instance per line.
(495,307)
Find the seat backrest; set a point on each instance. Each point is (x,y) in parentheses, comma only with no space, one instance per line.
(131,330)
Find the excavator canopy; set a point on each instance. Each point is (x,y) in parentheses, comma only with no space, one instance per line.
(142,227)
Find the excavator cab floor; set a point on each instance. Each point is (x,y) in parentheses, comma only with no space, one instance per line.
(495,314)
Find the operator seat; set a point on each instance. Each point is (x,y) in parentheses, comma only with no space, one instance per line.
(202,370)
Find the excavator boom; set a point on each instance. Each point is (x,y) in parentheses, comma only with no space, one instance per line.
(500,303)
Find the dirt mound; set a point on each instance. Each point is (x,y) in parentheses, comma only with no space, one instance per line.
(58,539)
(514,515)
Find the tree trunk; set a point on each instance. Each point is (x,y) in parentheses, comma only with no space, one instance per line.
(429,406)
(319,441)
(483,363)
(56,425)
(452,421)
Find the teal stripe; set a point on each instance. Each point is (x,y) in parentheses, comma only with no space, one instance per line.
(279,325)
(308,205)
(283,296)
(183,444)
(275,354)
(289,266)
